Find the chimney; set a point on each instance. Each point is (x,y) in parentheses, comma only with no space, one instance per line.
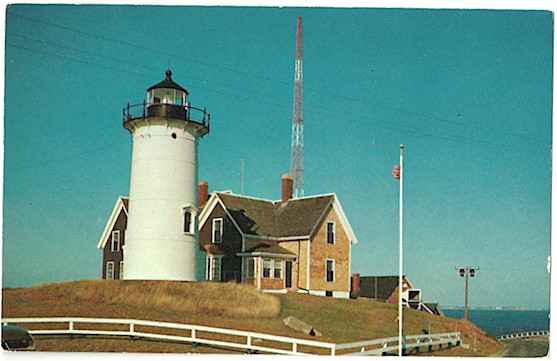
(355,282)
(202,193)
(286,187)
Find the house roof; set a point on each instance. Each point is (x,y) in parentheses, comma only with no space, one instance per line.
(380,287)
(266,249)
(121,205)
(273,220)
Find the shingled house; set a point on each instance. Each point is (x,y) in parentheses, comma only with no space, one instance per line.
(293,244)
(112,241)
(302,244)
(385,288)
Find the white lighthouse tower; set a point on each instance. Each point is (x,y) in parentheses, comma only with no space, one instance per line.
(161,236)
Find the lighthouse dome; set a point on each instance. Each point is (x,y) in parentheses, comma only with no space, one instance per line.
(168,83)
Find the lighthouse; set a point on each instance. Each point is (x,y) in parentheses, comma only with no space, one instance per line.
(161,235)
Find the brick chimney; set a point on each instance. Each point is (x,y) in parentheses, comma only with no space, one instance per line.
(202,193)
(286,187)
(355,282)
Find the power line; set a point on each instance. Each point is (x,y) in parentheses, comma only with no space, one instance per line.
(250,91)
(395,109)
(328,114)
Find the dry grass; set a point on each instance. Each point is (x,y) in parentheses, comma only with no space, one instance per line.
(232,306)
(177,297)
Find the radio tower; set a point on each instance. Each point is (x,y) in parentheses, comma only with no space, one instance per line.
(297,150)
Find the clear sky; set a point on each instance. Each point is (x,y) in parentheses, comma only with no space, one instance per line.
(469,93)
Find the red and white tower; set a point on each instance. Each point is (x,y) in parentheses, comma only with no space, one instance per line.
(297,150)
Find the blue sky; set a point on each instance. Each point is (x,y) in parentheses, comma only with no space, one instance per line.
(469,93)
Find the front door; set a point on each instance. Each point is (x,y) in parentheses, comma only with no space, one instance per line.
(288,275)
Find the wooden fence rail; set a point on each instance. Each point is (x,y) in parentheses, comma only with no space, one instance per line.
(212,336)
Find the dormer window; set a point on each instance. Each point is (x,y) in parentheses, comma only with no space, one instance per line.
(188,220)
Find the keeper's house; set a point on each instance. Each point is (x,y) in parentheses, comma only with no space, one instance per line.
(295,244)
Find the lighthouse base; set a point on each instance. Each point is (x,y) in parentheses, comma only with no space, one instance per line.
(171,260)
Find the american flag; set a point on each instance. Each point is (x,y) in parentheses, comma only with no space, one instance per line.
(396,172)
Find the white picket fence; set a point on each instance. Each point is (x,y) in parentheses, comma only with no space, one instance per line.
(234,339)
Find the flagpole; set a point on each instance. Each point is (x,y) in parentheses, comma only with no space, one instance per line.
(400,258)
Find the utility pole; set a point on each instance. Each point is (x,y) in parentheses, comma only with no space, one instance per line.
(466,272)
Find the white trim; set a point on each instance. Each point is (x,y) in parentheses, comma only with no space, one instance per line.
(308,273)
(344,221)
(266,255)
(275,291)
(281,269)
(321,218)
(118,244)
(221,229)
(209,264)
(259,272)
(112,221)
(279,239)
(121,271)
(208,210)
(192,210)
(245,268)
(334,232)
(307,197)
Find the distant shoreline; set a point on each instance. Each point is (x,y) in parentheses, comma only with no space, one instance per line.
(494,308)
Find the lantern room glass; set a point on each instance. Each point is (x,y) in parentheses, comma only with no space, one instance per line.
(166,96)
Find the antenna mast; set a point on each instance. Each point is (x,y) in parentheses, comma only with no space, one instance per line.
(297,150)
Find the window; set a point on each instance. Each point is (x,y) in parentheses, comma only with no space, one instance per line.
(214,268)
(267,268)
(250,268)
(278,268)
(330,270)
(272,268)
(217,230)
(115,241)
(121,270)
(187,221)
(110,270)
(331,232)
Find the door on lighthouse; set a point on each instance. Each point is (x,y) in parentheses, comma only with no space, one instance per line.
(288,275)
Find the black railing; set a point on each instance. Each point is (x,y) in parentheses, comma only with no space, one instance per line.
(169,111)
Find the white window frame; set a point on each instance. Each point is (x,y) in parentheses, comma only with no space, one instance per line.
(272,262)
(332,262)
(215,220)
(191,226)
(212,273)
(270,267)
(115,246)
(109,275)
(121,272)
(333,233)
(279,268)
(247,262)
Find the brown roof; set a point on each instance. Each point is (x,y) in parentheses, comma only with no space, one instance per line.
(295,218)
(271,249)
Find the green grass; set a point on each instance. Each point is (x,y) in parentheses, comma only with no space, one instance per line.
(227,305)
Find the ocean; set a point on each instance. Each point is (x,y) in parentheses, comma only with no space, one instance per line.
(503,322)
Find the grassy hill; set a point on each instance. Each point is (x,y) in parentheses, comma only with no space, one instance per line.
(226,305)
